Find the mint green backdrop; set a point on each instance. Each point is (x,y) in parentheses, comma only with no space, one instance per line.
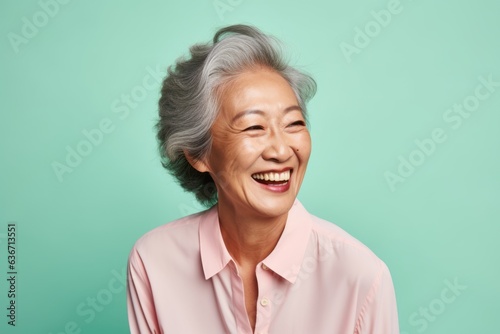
(405,129)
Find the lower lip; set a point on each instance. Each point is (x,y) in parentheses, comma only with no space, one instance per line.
(276,188)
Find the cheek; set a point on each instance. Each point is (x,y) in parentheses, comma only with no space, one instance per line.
(245,154)
(232,157)
(251,146)
(303,146)
(243,147)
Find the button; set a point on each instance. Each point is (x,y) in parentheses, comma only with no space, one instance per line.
(264,267)
(264,301)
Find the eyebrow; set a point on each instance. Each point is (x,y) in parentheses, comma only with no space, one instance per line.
(260,112)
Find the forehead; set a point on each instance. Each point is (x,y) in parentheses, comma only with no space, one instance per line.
(260,88)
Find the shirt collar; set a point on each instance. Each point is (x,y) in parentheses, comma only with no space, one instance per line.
(286,258)
(214,254)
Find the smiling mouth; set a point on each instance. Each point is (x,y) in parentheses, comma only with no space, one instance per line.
(273,178)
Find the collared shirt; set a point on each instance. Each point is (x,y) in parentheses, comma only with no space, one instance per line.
(317,280)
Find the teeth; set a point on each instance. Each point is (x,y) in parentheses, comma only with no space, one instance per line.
(285,176)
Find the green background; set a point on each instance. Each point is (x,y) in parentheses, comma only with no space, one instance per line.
(75,231)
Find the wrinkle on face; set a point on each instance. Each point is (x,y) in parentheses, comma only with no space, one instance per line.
(267,101)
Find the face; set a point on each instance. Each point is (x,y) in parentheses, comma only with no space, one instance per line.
(260,147)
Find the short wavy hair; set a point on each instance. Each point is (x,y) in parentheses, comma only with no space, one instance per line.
(188,104)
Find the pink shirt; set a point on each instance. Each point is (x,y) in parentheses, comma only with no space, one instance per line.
(317,280)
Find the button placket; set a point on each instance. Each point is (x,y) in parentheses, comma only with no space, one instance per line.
(265,278)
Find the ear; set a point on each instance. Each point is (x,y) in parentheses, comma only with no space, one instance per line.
(200,165)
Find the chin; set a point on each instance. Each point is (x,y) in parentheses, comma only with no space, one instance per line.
(274,207)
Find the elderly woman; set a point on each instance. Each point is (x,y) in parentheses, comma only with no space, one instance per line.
(233,131)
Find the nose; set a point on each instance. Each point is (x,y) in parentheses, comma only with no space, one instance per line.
(278,148)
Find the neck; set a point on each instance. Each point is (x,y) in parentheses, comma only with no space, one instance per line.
(249,239)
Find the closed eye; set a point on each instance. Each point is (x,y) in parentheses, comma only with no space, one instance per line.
(298,123)
(254,127)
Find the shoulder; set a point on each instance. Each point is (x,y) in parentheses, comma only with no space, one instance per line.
(356,276)
(177,235)
(345,255)
(328,232)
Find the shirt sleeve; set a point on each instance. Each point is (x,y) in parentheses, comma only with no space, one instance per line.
(140,304)
(379,314)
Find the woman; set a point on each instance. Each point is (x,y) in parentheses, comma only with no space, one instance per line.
(232,130)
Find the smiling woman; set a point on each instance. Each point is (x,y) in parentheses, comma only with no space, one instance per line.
(260,144)
(232,130)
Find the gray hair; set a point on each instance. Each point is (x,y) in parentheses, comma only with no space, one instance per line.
(188,105)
